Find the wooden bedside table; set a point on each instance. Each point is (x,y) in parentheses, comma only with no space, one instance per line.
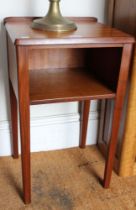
(47,67)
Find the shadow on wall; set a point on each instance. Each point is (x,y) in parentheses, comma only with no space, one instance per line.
(106,11)
(4,84)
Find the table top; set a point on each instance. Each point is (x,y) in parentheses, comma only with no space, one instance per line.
(88,32)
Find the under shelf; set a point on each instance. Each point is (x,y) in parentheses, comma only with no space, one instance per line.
(60,85)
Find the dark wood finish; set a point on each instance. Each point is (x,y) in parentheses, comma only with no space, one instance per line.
(107,69)
(122,15)
(108,120)
(101,142)
(111,6)
(119,101)
(54,67)
(24,102)
(84,122)
(125,16)
(14,122)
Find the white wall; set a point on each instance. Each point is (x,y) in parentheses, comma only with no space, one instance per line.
(53,126)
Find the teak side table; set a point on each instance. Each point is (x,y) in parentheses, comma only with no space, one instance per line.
(46,67)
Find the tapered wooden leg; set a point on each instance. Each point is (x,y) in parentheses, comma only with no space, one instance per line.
(24,111)
(84,123)
(14,122)
(112,148)
(25,149)
(121,89)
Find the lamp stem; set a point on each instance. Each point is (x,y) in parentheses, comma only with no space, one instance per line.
(54,8)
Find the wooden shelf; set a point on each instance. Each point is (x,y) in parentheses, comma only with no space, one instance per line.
(59,85)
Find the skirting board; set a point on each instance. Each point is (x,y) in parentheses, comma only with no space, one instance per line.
(52,132)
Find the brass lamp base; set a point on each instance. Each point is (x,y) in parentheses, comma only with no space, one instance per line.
(54,21)
(47,24)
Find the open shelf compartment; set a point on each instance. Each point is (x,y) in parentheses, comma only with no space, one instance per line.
(60,75)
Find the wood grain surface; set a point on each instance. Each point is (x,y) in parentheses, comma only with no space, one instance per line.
(87,32)
(89,63)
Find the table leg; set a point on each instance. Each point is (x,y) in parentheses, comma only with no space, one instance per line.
(24,111)
(25,149)
(14,121)
(119,101)
(84,123)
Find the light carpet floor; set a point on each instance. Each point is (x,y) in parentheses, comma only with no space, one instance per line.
(65,180)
